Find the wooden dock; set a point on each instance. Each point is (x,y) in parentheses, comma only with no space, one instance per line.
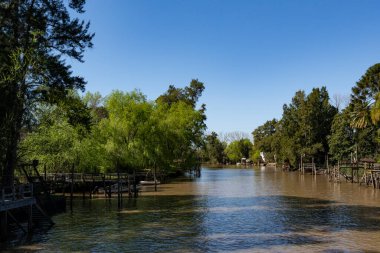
(365,171)
(90,183)
(85,183)
(16,197)
(20,199)
(13,198)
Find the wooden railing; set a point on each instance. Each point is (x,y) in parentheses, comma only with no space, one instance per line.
(16,192)
(84,177)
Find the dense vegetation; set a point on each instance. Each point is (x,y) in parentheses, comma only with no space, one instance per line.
(36,37)
(312,127)
(44,117)
(121,132)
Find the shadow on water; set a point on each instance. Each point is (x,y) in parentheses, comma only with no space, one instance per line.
(196,223)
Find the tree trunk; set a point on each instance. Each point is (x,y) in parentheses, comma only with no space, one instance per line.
(14,128)
(10,163)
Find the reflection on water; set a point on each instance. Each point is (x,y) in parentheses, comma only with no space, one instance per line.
(240,210)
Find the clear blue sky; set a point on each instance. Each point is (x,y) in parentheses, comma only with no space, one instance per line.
(252,55)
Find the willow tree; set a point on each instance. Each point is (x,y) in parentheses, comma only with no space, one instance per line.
(237,150)
(141,134)
(183,122)
(36,37)
(182,129)
(126,128)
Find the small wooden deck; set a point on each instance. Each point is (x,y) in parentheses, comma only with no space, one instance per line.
(12,198)
(7,205)
(16,197)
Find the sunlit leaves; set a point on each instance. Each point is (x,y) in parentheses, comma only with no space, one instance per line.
(237,150)
(302,130)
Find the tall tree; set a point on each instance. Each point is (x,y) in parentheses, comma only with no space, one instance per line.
(303,128)
(365,95)
(342,138)
(263,139)
(36,37)
(214,149)
(364,111)
(318,115)
(190,94)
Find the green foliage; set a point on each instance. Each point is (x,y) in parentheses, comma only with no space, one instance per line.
(94,101)
(35,39)
(364,111)
(239,149)
(141,134)
(255,155)
(364,95)
(181,128)
(125,129)
(342,139)
(189,94)
(375,110)
(213,149)
(63,136)
(264,140)
(54,142)
(311,126)
(303,129)
(130,133)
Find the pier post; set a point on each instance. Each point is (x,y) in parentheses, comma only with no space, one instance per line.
(327,164)
(92,186)
(338,171)
(134,184)
(45,175)
(118,189)
(155,179)
(109,192)
(83,187)
(3,226)
(104,185)
(72,187)
(30,219)
(129,187)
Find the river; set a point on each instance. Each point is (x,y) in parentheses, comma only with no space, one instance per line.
(225,210)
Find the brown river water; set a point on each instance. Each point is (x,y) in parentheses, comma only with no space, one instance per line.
(225,210)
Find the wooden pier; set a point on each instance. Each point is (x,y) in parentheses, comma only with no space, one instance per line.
(12,200)
(308,166)
(16,197)
(365,171)
(88,184)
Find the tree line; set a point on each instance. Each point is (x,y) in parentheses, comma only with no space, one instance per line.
(44,117)
(123,131)
(313,127)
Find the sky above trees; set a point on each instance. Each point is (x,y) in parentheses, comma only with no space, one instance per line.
(251,55)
